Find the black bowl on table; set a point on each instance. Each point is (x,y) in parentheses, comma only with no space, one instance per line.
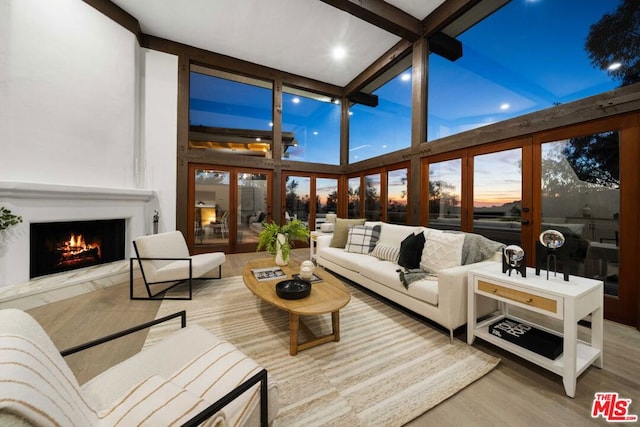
(293,289)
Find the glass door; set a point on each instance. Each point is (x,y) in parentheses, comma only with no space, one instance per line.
(580,198)
(497,195)
(211,207)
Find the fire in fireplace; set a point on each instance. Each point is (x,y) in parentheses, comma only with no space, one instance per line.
(63,246)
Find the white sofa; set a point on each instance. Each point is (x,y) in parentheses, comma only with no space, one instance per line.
(174,381)
(441,297)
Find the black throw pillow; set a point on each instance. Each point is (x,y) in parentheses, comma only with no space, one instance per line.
(411,251)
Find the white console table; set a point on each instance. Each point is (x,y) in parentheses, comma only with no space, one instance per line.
(567,301)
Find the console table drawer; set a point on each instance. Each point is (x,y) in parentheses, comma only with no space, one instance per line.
(523,298)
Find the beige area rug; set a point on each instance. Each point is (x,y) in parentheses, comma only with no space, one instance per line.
(387,369)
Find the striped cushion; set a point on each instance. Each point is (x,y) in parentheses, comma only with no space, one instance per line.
(386,252)
(157,401)
(215,373)
(362,239)
(36,384)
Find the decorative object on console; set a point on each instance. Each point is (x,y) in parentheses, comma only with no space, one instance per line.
(514,259)
(552,240)
(277,239)
(156,218)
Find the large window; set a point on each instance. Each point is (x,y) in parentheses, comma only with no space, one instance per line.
(524,57)
(397,195)
(310,126)
(374,131)
(445,194)
(230,113)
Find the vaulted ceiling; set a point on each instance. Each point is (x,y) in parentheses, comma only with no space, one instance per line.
(332,41)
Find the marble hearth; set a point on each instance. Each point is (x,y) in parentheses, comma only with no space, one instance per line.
(37,202)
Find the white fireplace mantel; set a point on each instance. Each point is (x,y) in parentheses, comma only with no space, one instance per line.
(41,202)
(31,190)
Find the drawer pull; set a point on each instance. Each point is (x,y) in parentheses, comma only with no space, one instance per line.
(524,300)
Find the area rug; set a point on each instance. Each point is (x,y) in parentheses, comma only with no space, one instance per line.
(387,369)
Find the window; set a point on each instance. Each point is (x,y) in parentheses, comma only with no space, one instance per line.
(445,194)
(298,196)
(374,131)
(397,195)
(354,197)
(536,60)
(230,113)
(581,200)
(310,127)
(372,206)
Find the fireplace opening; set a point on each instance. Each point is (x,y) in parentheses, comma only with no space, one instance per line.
(64,246)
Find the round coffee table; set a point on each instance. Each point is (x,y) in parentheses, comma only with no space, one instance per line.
(328,296)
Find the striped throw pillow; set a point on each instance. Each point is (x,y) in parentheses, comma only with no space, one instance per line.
(362,239)
(386,252)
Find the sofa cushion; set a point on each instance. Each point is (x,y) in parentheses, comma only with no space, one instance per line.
(442,250)
(386,252)
(411,251)
(394,234)
(341,231)
(362,239)
(385,272)
(337,256)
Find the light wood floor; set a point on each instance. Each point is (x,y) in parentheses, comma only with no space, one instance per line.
(516,393)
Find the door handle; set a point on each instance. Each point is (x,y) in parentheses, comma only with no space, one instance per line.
(524,222)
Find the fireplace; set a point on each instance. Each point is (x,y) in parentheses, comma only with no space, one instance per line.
(63,246)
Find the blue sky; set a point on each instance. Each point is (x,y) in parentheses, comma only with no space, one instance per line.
(527,56)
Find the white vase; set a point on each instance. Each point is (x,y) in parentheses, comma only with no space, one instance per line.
(281,239)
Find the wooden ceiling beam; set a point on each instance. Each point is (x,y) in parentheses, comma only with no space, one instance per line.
(119,15)
(382,15)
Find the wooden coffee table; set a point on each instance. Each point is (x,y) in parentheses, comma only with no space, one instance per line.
(328,296)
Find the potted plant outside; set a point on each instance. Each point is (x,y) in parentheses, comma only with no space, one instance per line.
(277,239)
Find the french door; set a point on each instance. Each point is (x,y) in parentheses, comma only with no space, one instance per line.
(226,207)
(581,181)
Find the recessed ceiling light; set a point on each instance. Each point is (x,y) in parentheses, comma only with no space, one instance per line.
(614,66)
(405,77)
(504,106)
(258,139)
(270,124)
(351,113)
(339,52)
(315,132)
(296,100)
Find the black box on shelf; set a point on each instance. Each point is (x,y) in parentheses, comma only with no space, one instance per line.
(526,336)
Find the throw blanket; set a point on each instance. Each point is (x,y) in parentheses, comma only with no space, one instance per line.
(476,248)
(408,276)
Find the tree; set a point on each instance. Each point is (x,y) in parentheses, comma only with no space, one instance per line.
(595,158)
(616,38)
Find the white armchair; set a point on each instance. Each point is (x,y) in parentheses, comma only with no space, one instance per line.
(187,378)
(164,258)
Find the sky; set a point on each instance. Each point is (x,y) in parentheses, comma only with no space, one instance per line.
(527,56)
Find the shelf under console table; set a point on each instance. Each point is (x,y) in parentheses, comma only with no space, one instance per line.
(568,302)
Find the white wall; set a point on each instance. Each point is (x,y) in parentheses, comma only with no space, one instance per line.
(82,105)
(160,83)
(67,90)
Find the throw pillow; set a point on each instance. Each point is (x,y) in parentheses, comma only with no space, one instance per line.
(411,251)
(362,239)
(442,250)
(386,252)
(341,231)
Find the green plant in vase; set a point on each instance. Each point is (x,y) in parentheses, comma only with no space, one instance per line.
(8,219)
(277,239)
